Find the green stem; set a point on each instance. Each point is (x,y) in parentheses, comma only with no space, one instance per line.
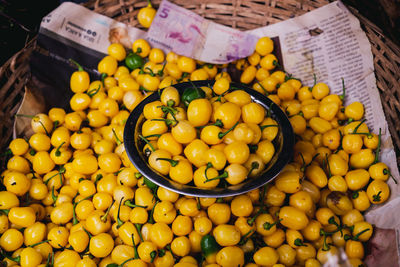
(325,246)
(50,260)
(116,137)
(16,259)
(328,167)
(358,126)
(377,197)
(93,91)
(136,254)
(104,217)
(218,123)
(269,110)
(378,149)
(209,165)
(343,95)
(262,87)
(139,229)
(221,134)
(131,205)
(222,176)
(58,152)
(80,68)
(160,72)
(245,237)
(357,236)
(171,161)
(38,243)
(267,126)
(331,220)
(268,225)
(98,177)
(119,221)
(152,74)
(53,196)
(167,121)
(151,219)
(153,255)
(147,142)
(315,82)
(298,242)
(254,165)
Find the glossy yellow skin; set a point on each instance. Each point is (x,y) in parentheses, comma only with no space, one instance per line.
(293,218)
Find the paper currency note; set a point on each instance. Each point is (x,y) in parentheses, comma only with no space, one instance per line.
(180,30)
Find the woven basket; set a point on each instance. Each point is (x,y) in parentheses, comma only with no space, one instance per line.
(244,15)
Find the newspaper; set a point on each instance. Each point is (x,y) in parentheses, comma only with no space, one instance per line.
(327,42)
(85,28)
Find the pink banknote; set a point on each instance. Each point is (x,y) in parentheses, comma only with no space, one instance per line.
(180,30)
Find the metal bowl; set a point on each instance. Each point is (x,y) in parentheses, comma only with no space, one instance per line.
(283,142)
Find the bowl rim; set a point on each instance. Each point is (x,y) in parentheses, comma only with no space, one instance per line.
(141,165)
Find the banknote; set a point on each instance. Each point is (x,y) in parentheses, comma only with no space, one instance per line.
(184,32)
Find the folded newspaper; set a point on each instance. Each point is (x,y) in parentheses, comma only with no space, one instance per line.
(327,42)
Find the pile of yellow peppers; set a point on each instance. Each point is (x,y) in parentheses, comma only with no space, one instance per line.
(71,197)
(218,138)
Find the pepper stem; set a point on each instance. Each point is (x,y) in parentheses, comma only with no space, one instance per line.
(136,254)
(147,142)
(221,134)
(131,205)
(38,243)
(343,95)
(328,167)
(298,242)
(167,121)
(254,165)
(104,217)
(153,255)
(151,219)
(53,196)
(378,149)
(262,127)
(218,123)
(222,176)
(262,87)
(268,225)
(209,165)
(171,161)
(357,236)
(377,197)
(116,137)
(119,221)
(139,229)
(358,126)
(331,220)
(93,91)
(246,237)
(80,68)
(58,152)
(325,246)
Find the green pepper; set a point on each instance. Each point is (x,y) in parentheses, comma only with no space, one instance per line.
(192,93)
(134,61)
(209,246)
